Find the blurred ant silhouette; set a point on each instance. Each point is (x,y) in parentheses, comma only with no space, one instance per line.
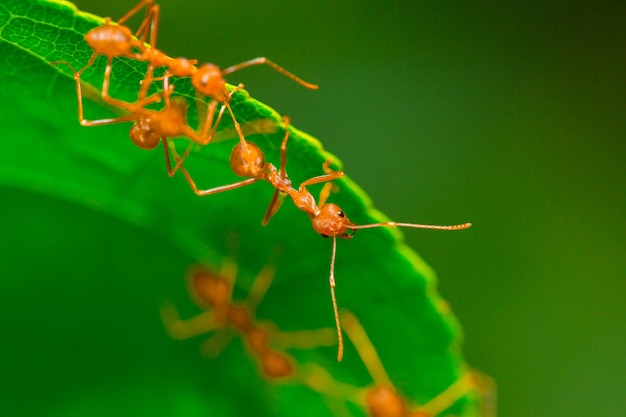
(224,316)
(381,399)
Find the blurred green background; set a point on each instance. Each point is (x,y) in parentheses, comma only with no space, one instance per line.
(511,116)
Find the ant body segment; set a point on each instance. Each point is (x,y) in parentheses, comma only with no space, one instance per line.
(327,219)
(116,40)
(150,126)
(213,292)
(381,399)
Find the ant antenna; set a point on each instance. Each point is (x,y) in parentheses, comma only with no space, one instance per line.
(334,299)
(415,226)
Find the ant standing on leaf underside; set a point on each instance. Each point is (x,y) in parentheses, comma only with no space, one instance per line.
(116,40)
(327,219)
(153,126)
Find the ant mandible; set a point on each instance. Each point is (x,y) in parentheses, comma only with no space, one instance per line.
(327,219)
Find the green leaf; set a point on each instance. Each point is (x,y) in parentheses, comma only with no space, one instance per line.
(96,235)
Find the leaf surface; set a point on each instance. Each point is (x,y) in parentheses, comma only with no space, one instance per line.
(97,235)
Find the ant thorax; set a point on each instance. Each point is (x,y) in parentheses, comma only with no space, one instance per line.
(172,119)
(304,201)
(279,180)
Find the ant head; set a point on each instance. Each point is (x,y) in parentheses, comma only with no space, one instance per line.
(143,136)
(332,221)
(209,80)
(383,401)
(110,40)
(248,161)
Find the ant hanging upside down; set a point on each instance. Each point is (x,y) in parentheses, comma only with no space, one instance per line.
(114,39)
(328,220)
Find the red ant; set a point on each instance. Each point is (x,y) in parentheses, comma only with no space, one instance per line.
(150,126)
(381,399)
(117,40)
(213,292)
(327,219)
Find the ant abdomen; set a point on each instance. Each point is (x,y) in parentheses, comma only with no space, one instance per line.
(110,40)
(144,137)
(248,161)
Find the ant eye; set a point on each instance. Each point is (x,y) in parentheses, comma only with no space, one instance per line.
(341,214)
(323,235)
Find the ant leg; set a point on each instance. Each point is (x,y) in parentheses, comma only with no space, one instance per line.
(152,16)
(283,146)
(145,86)
(272,208)
(215,190)
(81,117)
(365,348)
(185,329)
(79,96)
(179,160)
(326,190)
(329,176)
(244,144)
(149,27)
(322,178)
(192,183)
(275,202)
(207,126)
(228,272)
(214,345)
(190,180)
(130,107)
(220,114)
(449,396)
(487,391)
(261,284)
(265,61)
(319,380)
(148,4)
